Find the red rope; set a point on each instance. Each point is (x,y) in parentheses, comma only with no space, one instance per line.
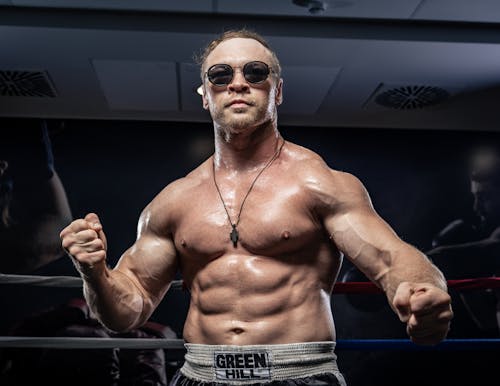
(357,287)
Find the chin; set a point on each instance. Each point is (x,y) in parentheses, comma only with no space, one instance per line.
(241,123)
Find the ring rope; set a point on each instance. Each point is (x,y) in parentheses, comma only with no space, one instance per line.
(339,288)
(88,343)
(408,345)
(178,344)
(460,284)
(55,281)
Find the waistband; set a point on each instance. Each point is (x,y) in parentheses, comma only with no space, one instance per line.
(240,365)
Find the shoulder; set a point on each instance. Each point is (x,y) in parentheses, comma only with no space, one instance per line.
(178,189)
(318,177)
(171,201)
(327,188)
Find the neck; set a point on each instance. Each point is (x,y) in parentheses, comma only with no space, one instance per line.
(243,151)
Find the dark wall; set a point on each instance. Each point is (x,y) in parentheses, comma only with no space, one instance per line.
(417,181)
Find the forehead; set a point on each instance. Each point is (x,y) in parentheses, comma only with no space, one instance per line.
(238,51)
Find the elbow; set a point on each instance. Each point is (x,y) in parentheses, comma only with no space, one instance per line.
(114,326)
(117,327)
(118,324)
(118,314)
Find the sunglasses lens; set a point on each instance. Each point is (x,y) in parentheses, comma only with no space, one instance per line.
(256,72)
(220,74)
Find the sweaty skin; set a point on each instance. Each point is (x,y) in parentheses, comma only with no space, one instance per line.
(298,221)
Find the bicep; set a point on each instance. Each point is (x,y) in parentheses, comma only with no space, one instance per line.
(359,232)
(151,264)
(365,239)
(373,246)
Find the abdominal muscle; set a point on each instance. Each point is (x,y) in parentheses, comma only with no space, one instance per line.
(245,300)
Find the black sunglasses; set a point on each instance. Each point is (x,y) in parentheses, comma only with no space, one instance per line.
(222,74)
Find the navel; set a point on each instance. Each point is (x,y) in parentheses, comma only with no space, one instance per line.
(285,235)
(183,243)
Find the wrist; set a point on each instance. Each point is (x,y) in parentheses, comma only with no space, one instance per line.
(91,272)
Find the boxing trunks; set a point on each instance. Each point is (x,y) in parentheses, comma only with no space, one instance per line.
(310,363)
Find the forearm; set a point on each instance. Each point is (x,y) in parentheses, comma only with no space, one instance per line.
(410,265)
(415,288)
(114,299)
(122,298)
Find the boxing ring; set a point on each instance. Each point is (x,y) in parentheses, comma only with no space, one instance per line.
(178,344)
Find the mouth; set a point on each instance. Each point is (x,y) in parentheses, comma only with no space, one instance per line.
(238,103)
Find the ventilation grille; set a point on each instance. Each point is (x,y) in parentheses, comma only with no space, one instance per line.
(412,97)
(26,84)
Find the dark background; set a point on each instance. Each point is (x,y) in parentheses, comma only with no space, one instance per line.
(417,180)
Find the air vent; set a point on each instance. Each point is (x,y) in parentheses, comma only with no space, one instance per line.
(26,84)
(314,6)
(412,97)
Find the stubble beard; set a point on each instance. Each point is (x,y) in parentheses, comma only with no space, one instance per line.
(236,122)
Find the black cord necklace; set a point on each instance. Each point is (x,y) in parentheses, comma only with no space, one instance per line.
(234,235)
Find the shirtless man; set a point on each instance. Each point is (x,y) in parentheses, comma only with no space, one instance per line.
(258,232)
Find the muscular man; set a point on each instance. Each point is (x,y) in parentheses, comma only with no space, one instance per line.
(258,232)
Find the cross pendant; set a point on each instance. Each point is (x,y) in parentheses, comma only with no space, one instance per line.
(234,235)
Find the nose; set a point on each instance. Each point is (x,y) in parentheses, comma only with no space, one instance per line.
(4,165)
(238,83)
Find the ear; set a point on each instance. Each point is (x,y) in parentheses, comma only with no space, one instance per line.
(278,96)
(203,97)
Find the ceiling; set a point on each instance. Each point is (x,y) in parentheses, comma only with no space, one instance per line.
(133,60)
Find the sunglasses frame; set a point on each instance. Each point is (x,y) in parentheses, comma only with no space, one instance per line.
(269,71)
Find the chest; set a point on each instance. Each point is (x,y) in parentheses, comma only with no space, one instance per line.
(273,219)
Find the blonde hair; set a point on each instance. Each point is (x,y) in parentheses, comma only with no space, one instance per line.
(241,33)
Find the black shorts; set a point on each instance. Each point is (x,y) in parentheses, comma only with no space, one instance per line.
(315,380)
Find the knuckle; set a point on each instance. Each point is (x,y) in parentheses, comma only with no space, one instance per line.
(86,235)
(64,232)
(72,248)
(101,254)
(94,246)
(100,244)
(85,258)
(74,251)
(66,243)
(79,224)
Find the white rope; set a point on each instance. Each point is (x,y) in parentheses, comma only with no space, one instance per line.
(42,281)
(55,281)
(178,344)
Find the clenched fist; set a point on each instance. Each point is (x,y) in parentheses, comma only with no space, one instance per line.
(426,310)
(85,242)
